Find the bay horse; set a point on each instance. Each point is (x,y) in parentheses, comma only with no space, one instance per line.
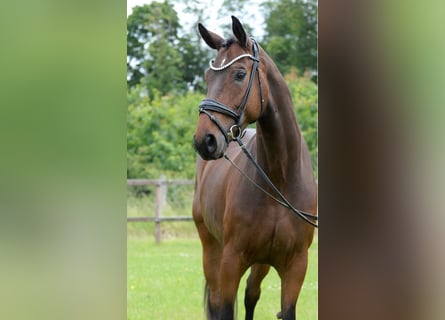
(240,221)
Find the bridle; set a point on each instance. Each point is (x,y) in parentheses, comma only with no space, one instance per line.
(207,105)
(235,132)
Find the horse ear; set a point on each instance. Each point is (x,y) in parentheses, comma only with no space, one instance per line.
(213,40)
(239,32)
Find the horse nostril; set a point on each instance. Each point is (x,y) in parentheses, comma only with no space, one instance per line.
(210,143)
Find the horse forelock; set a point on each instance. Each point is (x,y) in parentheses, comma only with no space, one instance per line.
(228,42)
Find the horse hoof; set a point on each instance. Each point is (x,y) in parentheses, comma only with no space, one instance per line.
(279,316)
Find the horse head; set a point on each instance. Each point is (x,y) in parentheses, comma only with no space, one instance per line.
(236,91)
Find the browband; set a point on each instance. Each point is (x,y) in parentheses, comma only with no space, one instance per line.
(228,64)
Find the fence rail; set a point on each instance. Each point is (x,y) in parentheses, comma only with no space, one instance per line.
(158,182)
(160,198)
(153,219)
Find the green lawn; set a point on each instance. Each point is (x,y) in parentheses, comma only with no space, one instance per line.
(166,282)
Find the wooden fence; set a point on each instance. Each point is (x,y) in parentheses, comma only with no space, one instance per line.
(160,199)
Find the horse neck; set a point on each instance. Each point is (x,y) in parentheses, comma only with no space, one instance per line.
(278,134)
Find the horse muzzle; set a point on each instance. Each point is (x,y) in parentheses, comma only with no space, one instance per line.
(210,147)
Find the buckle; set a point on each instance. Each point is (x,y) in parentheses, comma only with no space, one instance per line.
(234,132)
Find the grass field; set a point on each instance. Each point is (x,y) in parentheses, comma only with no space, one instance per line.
(166,282)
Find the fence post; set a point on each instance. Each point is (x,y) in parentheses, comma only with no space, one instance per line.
(161,195)
(163,190)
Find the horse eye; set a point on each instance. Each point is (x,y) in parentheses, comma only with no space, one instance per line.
(240,74)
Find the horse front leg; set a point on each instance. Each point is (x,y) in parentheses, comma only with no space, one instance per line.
(233,267)
(211,259)
(253,288)
(292,279)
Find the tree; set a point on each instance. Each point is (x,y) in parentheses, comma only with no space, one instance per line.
(241,9)
(152,57)
(195,54)
(291,34)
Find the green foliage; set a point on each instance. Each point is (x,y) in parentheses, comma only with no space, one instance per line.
(164,68)
(160,129)
(152,57)
(161,55)
(305,97)
(291,34)
(195,57)
(159,134)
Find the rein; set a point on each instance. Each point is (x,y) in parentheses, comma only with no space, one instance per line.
(284,202)
(235,132)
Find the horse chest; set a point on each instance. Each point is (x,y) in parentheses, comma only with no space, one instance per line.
(261,231)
